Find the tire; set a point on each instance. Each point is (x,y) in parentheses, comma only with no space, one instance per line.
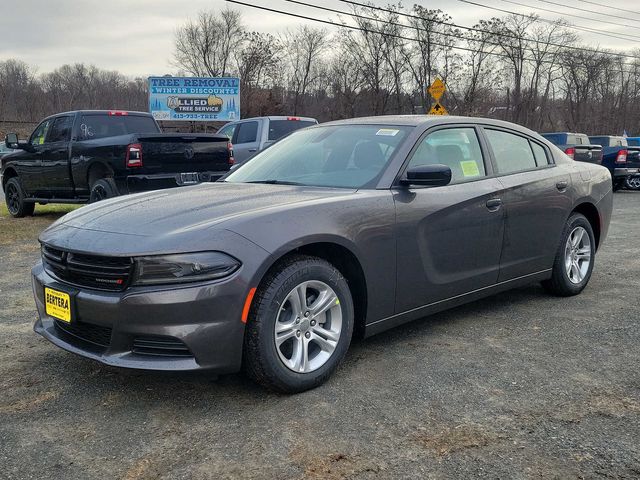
(633,182)
(102,189)
(569,278)
(14,196)
(274,362)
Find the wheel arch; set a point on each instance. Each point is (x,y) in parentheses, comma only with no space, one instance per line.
(590,211)
(8,173)
(344,259)
(98,170)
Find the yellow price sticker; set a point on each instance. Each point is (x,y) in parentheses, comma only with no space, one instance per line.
(470,168)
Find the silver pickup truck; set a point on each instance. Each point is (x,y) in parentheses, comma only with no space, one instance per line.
(252,135)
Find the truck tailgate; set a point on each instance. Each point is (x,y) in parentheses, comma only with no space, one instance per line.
(175,153)
(633,157)
(588,153)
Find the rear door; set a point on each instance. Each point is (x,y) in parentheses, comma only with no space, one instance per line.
(535,199)
(55,158)
(449,238)
(246,140)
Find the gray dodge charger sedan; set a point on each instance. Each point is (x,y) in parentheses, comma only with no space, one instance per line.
(341,229)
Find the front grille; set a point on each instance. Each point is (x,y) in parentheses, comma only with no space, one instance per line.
(87,332)
(160,346)
(93,271)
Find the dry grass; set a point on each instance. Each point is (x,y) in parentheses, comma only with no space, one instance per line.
(16,230)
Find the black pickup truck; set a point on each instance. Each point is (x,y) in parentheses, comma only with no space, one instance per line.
(85,156)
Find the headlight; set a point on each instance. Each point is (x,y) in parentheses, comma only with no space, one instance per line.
(183,268)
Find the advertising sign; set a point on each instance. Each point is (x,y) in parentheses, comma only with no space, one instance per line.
(194,98)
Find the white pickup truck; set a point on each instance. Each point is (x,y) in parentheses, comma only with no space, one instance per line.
(252,135)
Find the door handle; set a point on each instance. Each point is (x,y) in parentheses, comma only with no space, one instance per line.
(562,185)
(253,150)
(494,204)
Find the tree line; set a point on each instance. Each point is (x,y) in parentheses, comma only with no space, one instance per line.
(518,67)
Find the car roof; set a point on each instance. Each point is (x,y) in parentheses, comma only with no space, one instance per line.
(562,133)
(97,112)
(276,117)
(427,120)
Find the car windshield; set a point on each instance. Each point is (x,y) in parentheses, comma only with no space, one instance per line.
(347,156)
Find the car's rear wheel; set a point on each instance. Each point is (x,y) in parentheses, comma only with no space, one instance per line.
(574,260)
(102,189)
(300,325)
(633,183)
(14,195)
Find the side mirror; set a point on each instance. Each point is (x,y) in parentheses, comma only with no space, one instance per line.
(11,140)
(428,175)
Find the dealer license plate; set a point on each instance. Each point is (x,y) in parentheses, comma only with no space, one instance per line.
(189,178)
(57,304)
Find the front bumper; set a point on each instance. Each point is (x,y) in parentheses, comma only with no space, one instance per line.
(192,327)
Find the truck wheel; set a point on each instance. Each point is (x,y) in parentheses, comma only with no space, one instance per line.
(17,206)
(102,189)
(299,326)
(574,260)
(633,183)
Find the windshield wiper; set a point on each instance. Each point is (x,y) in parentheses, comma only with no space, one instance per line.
(275,182)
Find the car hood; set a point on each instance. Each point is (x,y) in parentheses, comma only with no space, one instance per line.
(181,211)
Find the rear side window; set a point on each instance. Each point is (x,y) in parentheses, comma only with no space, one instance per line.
(247,132)
(539,154)
(228,130)
(556,139)
(457,148)
(61,130)
(101,126)
(280,128)
(512,152)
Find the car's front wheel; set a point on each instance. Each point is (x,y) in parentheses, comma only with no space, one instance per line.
(14,195)
(299,326)
(574,259)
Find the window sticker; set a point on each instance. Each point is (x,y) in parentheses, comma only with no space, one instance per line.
(387,132)
(470,168)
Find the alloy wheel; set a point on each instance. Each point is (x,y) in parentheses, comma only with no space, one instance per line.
(13,199)
(308,326)
(577,255)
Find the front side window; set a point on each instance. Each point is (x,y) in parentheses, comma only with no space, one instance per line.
(61,130)
(40,133)
(457,148)
(349,156)
(247,132)
(512,152)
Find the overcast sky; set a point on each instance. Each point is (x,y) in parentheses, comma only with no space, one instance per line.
(136,36)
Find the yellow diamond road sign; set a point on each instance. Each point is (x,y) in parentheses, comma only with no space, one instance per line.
(436,89)
(437,109)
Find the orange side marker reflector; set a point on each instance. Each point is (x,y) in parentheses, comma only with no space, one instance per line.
(247,305)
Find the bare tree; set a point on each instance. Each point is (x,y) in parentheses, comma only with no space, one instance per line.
(205,46)
(303,52)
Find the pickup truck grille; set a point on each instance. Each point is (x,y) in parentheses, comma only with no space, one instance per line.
(92,271)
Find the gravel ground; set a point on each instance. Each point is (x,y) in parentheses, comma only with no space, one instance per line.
(520,385)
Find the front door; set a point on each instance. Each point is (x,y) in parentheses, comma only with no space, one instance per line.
(449,238)
(245,141)
(55,159)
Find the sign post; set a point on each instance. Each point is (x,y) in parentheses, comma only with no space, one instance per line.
(194,99)
(436,90)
